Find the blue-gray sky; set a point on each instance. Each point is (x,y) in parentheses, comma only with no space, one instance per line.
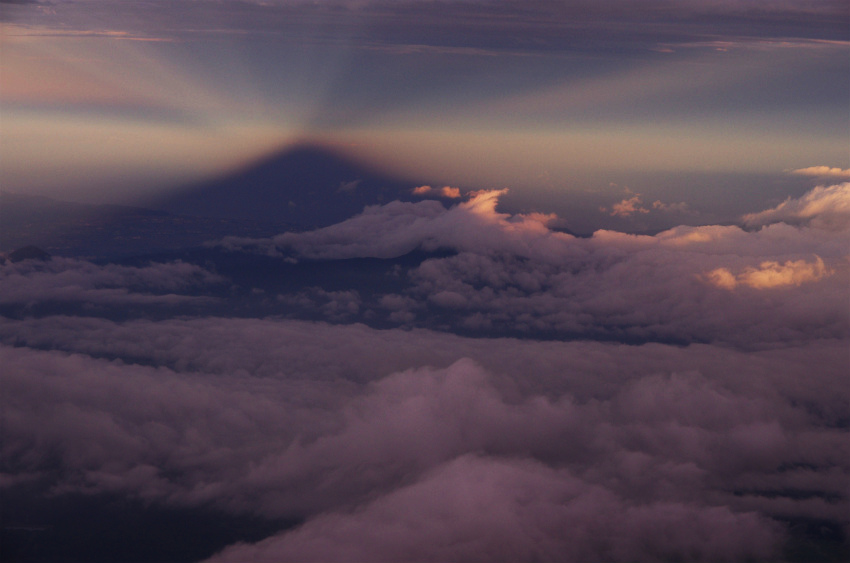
(109,101)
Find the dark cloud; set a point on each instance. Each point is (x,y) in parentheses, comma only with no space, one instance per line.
(485,27)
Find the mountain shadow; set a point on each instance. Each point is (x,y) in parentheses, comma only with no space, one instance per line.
(306,186)
(71,229)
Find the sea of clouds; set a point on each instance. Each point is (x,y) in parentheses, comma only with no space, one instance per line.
(553,439)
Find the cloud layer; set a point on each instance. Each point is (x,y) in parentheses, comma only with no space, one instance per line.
(414,444)
(515,275)
(539,449)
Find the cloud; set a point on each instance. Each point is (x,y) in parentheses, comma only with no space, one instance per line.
(70,280)
(398,228)
(544,446)
(680,207)
(514,275)
(538,448)
(824,207)
(771,274)
(823,172)
(627,207)
(485,509)
(444,192)
(631,205)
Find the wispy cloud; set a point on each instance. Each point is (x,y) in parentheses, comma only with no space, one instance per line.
(823,172)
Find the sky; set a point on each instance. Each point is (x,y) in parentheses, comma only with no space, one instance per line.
(594,310)
(565,103)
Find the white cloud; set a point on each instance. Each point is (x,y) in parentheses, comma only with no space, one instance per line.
(824,207)
(823,172)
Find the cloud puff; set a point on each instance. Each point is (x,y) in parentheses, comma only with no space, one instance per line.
(823,172)
(444,192)
(825,207)
(627,207)
(633,205)
(771,274)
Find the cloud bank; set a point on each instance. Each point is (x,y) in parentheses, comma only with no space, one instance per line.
(514,275)
(403,443)
(69,280)
(544,451)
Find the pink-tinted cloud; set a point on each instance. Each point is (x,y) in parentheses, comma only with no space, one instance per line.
(513,273)
(418,444)
(825,207)
(823,172)
(634,205)
(627,207)
(771,274)
(444,192)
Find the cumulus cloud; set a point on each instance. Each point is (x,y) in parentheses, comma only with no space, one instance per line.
(823,172)
(444,192)
(824,207)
